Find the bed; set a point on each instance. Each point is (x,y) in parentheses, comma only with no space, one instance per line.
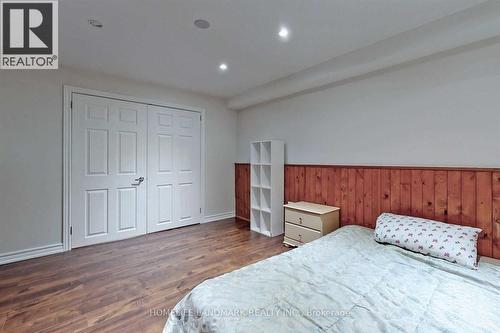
(345,282)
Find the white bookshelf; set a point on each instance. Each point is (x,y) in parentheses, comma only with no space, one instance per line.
(267,168)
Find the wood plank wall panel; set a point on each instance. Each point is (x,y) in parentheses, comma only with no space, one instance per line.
(417,199)
(455,197)
(405,192)
(484,213)
(496,214)
(385,183)
(428,194)
(441,195)
(375,198)
(395,191)
(242,191)
(467,196)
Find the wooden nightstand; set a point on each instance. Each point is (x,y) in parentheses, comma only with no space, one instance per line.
(305,222)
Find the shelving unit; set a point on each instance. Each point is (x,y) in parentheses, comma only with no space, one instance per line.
(267,187)
(255,154)
(255,197)
(265,176)
(255,218)
(255,175)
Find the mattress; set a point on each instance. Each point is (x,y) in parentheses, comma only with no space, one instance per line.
(345,282)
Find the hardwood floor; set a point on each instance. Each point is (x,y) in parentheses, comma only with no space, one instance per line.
(117,287)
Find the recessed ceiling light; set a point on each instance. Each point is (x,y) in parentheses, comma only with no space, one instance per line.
(284,33)
(223,67)
(202,24)
(95,23)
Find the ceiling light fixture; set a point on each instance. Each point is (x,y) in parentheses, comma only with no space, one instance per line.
(223,67)
(95,23)
(202,24)
(284,33)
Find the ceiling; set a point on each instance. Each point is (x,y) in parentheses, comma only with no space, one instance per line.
(156,41)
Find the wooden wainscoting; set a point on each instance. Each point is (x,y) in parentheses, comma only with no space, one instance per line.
(467,196)
(242,191)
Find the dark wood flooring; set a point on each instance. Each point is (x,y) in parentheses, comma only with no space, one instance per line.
(118,287)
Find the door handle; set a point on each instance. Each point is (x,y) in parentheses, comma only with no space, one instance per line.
(139,181)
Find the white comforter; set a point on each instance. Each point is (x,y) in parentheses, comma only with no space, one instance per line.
(345,282)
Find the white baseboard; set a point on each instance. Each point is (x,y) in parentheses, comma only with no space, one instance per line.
(35,252)
(217,217)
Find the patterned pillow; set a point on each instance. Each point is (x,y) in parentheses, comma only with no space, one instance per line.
(451,242)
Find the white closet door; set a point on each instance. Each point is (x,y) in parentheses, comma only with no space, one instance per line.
(109,143)
(174,168)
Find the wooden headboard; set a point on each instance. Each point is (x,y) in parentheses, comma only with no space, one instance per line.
(467,196)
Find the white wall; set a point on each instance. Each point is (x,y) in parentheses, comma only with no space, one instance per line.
(31,118)
(441,112)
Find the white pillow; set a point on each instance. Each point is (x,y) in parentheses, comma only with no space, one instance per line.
(451,242)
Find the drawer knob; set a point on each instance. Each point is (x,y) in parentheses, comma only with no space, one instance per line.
(300,220)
